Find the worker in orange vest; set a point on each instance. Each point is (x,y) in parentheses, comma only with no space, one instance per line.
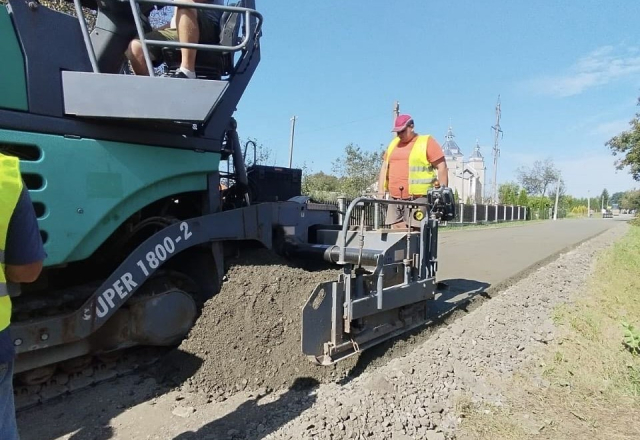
(411,165)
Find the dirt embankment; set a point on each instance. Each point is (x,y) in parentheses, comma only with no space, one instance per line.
(248,336)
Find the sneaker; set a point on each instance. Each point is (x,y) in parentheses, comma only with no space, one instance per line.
(178,74)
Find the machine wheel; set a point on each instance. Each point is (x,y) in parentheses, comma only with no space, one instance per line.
(36,376)
(76,365)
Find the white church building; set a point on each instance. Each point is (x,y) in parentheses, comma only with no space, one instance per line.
(467,177)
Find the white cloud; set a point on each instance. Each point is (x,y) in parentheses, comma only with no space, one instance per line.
(590,174)
(602,66)
(610,128)
(586,173)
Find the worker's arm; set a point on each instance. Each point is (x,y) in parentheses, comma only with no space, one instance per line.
(443,172)
(25,273)
(24,252)
(436,158)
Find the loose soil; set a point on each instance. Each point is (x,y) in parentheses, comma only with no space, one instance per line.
(248,336)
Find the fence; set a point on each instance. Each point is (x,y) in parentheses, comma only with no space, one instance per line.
(465,213)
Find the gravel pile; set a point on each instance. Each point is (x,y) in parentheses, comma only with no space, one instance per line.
(248,336)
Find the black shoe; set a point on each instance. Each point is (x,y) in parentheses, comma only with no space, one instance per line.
(178,74)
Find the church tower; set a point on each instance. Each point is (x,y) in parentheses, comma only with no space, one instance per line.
(476,161)
(453,156)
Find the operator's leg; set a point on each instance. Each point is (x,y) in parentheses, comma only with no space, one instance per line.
(194,26)
(136,56)
(188,32)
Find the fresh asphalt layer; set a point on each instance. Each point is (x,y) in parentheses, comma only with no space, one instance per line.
(486,258)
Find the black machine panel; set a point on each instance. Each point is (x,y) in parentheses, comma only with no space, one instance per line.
(273,184)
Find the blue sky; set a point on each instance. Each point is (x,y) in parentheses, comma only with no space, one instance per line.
(568,74)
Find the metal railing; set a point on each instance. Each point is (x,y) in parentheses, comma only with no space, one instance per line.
(248,35)
(374,214)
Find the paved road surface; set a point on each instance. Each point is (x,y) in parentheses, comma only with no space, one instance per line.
(495,255)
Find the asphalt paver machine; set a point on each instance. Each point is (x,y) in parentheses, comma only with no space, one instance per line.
(124,172)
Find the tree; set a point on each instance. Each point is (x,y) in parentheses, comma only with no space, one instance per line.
(604,197)
(253,149)
(537,179)
(357,170)
(320,185)
(523,199)
(627,144)
(616,197)
(630,200)
(508,193)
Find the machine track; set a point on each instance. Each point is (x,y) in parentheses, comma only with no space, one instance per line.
(42,384)
(68,379)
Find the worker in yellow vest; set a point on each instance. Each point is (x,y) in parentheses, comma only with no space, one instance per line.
(21,257)
(411,165)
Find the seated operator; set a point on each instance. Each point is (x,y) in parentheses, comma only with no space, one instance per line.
(188,25)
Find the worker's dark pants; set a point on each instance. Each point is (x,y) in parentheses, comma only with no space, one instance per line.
(8,427)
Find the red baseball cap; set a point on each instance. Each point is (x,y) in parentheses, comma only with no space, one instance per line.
(401,122)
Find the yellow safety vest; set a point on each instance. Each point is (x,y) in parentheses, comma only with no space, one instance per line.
(10,189)
(422,175)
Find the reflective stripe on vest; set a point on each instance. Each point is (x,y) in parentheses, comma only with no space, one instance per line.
(422,175)
(10,188)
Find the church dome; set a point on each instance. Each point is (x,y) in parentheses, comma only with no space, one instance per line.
(450,147)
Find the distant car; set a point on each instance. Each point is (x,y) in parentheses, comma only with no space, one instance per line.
(607,214)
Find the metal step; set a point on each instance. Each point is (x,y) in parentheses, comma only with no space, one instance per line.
(101,95)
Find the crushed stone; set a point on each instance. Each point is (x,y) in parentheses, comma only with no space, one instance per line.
(248,335)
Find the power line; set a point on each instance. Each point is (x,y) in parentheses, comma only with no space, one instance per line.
(342,124)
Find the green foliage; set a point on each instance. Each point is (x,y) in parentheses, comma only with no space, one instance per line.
(579,210)
(616,197)
(539,202)
(631,338)
(357,170)
(508,193)
(255,153)
(604,197)
(523,198)
(320,186)
(627,145)
(630,200)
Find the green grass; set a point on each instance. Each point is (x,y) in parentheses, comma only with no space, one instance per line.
(594,377)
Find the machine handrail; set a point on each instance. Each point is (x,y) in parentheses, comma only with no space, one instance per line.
(356,201)
(85,36)
(248,34)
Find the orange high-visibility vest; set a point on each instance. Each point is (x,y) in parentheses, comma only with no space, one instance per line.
(422,175)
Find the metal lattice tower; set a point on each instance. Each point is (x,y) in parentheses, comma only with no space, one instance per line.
(496,150)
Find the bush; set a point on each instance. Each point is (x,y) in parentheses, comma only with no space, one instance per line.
(631,339)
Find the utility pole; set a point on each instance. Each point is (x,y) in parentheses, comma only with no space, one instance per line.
(293,130)
(396,112)
(588,204)
(496,150)
(555,208)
